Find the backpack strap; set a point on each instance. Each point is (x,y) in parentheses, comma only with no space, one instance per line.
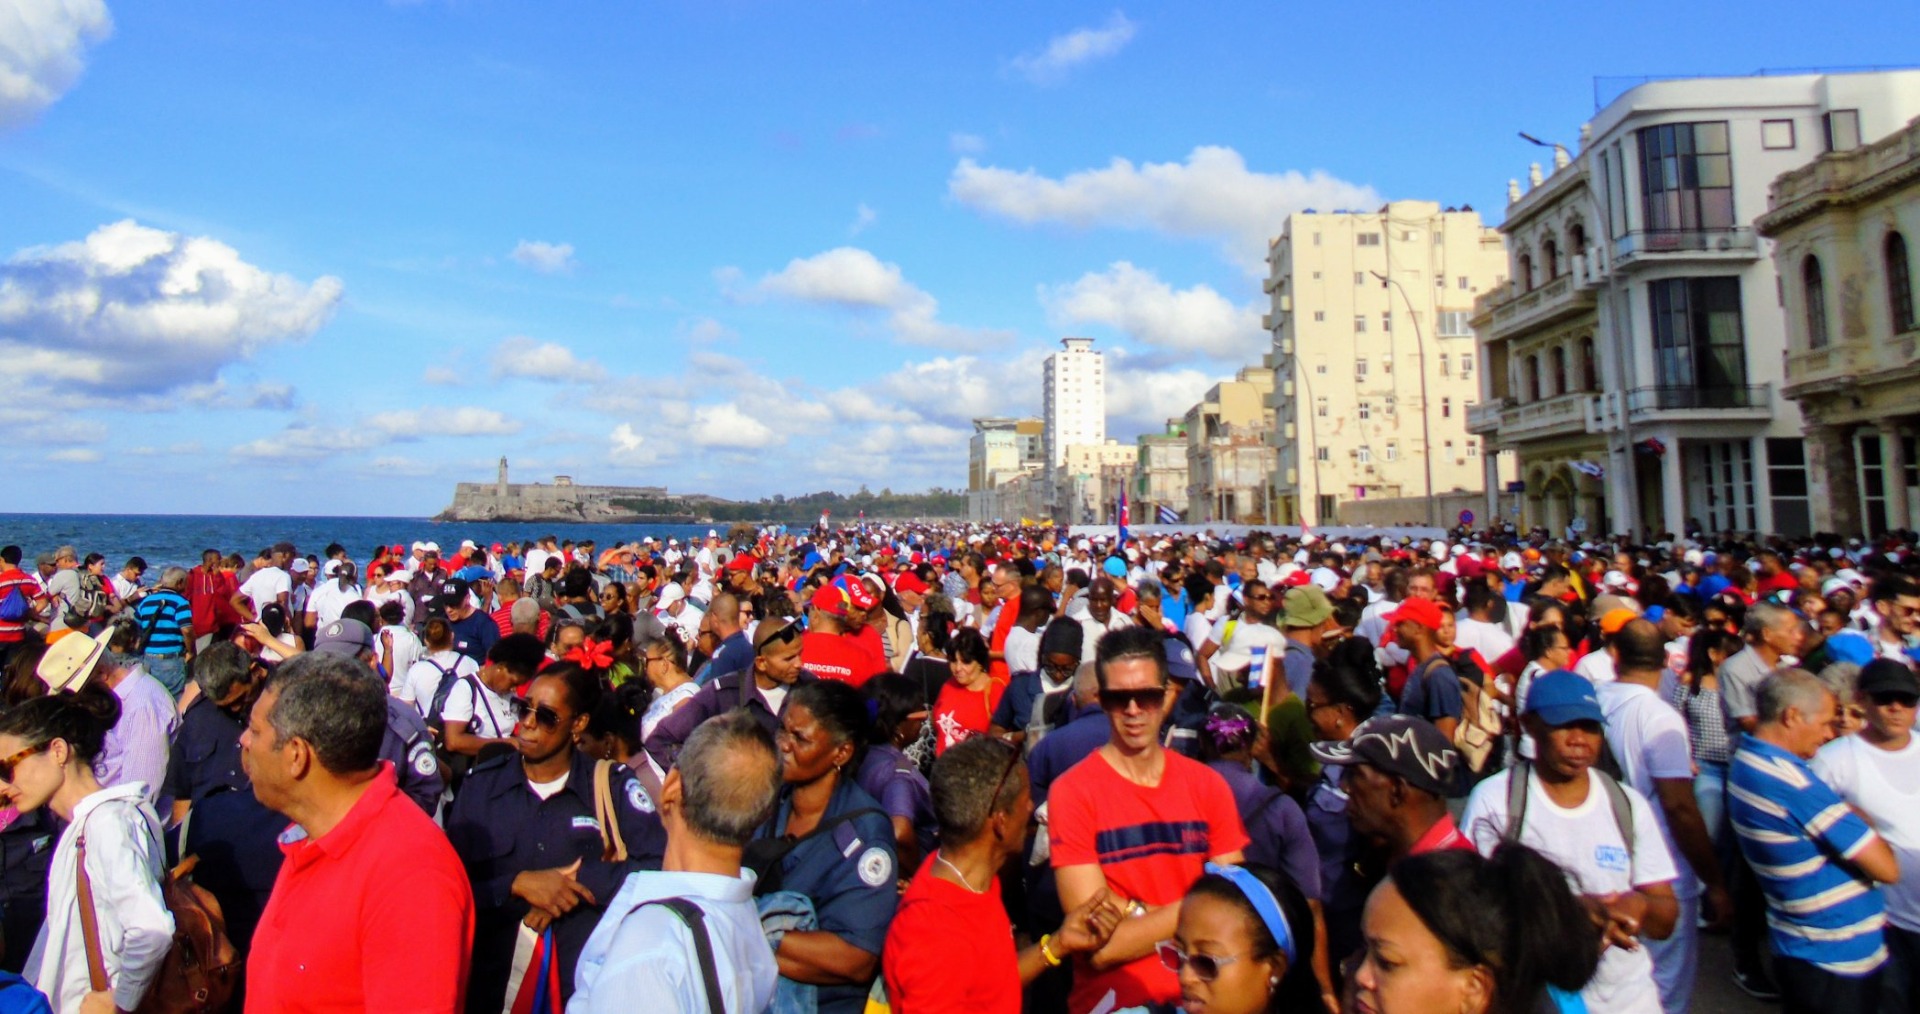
(1622,808)
(696,921)
(90,922)
(1517,778)
(613,847)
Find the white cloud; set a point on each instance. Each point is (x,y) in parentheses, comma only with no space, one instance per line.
(726,426)
(303,442)
(966,144)
(855,279)
(546,258)
(863,216)
(522,357)
(442,376)
(1134,301)
(1212,195)
(42,45)
(463,421)
(1063,53)
(76,455)
(136,310)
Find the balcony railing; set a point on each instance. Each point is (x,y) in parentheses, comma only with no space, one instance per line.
(1655,242)
(1547,304)
(1684,399)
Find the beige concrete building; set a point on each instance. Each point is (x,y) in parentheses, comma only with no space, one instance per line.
(1374,378)
(1080,480)
(1843,228)
(1000,449)
(1230,450)
(1160,476)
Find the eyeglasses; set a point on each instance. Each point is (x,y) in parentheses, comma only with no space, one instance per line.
(1889,698)
(1206,967)
(7,765)
(1120,700)
(542,716)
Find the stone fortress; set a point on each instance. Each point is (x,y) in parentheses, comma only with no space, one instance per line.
(563,500)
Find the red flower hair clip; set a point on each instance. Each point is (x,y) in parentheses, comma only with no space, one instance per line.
(591,655)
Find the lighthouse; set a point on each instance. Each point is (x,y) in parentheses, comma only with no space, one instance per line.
(500,489)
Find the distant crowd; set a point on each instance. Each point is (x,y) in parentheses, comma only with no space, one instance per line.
(975,768)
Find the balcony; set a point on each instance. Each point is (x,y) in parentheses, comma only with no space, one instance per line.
(1551,303)
(1847,364)
(1559,415)
(1701,404)
(1484,419)
(1655,245)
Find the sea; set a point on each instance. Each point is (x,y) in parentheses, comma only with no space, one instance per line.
(163,539)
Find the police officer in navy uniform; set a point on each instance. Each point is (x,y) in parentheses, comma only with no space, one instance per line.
(830,842)
(528,830)
(408,745)
(206,750)
(762,689)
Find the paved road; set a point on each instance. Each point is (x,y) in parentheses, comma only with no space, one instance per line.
(1714,991)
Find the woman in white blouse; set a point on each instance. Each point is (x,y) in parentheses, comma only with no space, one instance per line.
(47,748)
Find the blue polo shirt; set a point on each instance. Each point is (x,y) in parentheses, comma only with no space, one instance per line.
(852,876)
(1792,827)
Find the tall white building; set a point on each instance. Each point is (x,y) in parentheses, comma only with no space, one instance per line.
(1075,409)
(1634,362)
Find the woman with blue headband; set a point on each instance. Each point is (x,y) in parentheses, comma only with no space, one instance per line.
(1244,945)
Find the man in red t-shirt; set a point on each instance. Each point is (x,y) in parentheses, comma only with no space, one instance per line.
(826,649)
(33,601)
(980,791)
(1140,821)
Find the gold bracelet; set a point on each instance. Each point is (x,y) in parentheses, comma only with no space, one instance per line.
(1046,953)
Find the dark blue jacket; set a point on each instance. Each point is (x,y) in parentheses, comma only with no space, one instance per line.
(206,753)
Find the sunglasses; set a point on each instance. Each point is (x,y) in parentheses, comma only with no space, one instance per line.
(1888,698)
(1013,761)
(1206,967)
(1119,700)
(7,765)
(790,632)
(540,714)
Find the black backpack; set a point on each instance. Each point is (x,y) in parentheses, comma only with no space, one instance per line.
(766,856)
(449,678)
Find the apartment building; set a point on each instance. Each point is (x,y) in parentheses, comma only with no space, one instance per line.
(1373,355)
(1074,408)
(998,450)
(1230,451)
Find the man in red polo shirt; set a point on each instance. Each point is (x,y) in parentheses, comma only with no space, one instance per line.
(372,910)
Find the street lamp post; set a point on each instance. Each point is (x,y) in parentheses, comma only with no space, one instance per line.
(1426,424)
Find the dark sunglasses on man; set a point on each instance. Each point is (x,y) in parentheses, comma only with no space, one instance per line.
(1147,699)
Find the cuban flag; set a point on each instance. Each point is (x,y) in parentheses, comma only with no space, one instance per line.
(1125,517)
(1257,669)
(1167,515)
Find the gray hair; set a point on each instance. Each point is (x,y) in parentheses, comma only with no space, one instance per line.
(1086,682)
(1762,617)
(730,776)
(1841,678)
(219,667)
(525,614)
(1788,687)
(1147,591)
(174,578)
(336,704)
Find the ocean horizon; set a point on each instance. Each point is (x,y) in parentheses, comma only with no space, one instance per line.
(167,539)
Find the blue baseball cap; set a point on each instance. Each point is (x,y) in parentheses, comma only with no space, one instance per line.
(1847,646)
(1562,698)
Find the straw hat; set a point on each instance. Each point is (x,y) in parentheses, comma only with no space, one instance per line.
(69,661)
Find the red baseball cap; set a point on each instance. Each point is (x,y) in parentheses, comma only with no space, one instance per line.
(1425,612)
(830,599)
(741,561)
(910,583)
(861,594)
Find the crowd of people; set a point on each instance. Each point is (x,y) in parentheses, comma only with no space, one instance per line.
(926,768)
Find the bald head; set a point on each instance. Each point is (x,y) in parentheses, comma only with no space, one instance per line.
(1638,647)
(724,612)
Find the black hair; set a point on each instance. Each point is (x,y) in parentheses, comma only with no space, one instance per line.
(1699,662)
(80,719)
(1511,913)
(1197,587)
(839,709)
(11,554)
(437,633)
(1298,990)
(583,687)
(1537,641)
(617,629)
(391,612)
(618,714)
(1131,643)
(968,645)
(893,697)
(364,611)
(520,653)
(274,618)
(1344,683)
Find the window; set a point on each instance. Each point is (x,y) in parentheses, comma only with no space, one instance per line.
(1319,316)
(1316,239)
(1776,135)
(1392,405)
(1326,507)
(1698,340)
(1316,276)
(1463,283)
(1367,239)
(1359,278)
(1320,407)
(1321,453)
(1446,408)
(1532,377)
(1359,369)
(1364,455)
(1366,411)
(1393,450)
(1447,449)
(1815,289)
(1466,365)
(1577,238)
(1550,252)
(1559,359)
(1386,365)
(1320,369)
(1899,283)
(1843,130)
(1359,323)
(1439,281)
(1409,235)
(1446,365)
(1688,176)
(1453,324)
(1589,366)
(1473,449)
(1386,321)
(1526,272)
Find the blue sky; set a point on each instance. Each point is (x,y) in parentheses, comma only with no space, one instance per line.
(330,258)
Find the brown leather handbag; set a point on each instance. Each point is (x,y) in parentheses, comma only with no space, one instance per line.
(201,969)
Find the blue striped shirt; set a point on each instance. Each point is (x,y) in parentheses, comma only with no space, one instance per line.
(1792,827)
(167,611)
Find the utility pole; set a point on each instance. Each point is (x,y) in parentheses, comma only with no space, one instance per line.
(1426,424)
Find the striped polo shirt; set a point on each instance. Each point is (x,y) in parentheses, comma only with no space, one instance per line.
(1791,827)
(166,611)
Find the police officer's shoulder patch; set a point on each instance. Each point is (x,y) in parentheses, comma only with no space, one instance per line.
(420,758)
(637,796)
(876,867)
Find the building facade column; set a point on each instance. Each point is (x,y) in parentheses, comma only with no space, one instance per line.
(1673,491)
(1490,467)
(1833,481)
(1893,475)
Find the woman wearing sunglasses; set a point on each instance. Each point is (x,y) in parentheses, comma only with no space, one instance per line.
(530,833)
(830,844)
(47,749)
(1243,945)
